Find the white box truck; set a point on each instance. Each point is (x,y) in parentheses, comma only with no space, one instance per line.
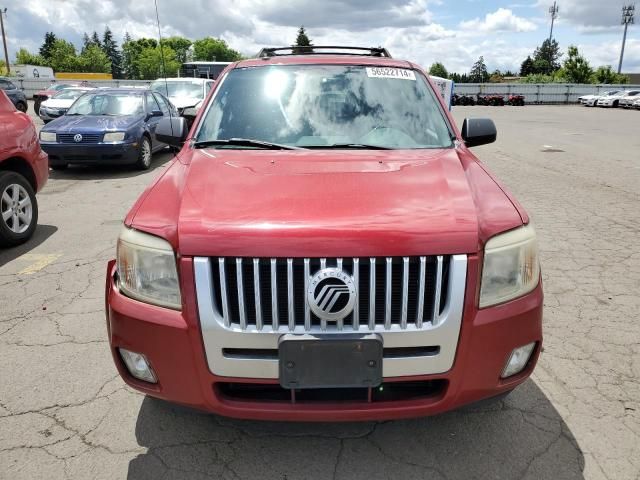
(32,72)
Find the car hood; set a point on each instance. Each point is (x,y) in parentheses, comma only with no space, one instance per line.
(86,123)
(184,102)
(57,103)
(319,203)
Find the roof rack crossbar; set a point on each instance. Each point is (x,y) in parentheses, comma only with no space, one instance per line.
(315,50)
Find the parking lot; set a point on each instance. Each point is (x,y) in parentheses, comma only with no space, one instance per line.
(65,413)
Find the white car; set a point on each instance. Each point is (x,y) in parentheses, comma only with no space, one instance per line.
(592,100)
(614,100)
(628,100)
(58,105)
(184,92)
(636,104)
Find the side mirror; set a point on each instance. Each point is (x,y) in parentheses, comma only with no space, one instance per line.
(155,113)
(478,131)
(172,131)
(190,112)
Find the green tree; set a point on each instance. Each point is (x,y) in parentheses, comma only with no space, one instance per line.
(45,49)
(539,78)
(131,50)
(110,48)
(576,68)
(605,74)
(527,67)
(63,57)
(95,39)
(303,43)
(479,73)
(150,63)
(180,45)
(211,49)
(546,57)
(438,70)
(94,60)
(25,57)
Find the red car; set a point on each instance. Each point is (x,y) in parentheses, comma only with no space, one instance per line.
(325,247)
(24,170)
(51,90)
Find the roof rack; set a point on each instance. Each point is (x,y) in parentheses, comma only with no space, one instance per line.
(324,50)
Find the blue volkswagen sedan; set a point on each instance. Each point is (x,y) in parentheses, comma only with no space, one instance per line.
(107,127)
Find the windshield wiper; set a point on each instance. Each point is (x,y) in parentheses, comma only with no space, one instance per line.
(243,142)
(350,145)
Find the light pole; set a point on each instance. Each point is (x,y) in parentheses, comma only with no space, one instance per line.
(4,40)
(627,18)
(553,10)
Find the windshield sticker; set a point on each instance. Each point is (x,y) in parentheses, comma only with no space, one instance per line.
(387,72)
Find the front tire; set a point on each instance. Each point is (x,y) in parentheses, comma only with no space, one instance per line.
(22,107)
(144,154)
(18,209)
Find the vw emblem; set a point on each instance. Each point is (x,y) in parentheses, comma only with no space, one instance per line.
(331,294)
(77,138)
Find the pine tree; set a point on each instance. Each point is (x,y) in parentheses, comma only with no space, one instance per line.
(576,68)
(479,73)
(546,57)
(45,49)
(302,40)
(527,67)
(110,48)
(95,39)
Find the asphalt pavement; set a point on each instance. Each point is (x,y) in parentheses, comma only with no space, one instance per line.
(65,413)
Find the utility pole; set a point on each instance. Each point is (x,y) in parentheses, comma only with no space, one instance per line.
(628,12)
(553,10)
(4,40)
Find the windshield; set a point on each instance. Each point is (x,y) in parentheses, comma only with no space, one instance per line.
(107,104)
(178,89)
(327,105)
(69,94)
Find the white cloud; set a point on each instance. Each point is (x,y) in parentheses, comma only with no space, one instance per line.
(502,20)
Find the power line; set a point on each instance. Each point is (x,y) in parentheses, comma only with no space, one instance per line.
(628,12)
(553,10)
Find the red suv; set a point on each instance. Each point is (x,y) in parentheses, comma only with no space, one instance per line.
(24,170)
(325,247)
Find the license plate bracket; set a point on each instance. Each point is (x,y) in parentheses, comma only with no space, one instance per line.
(326,361)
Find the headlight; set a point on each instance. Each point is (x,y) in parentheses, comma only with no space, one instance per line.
(511,267)
(47,136)
(147,269)
(113,137)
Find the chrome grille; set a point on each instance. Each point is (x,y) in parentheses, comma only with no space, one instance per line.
(270,293)
(86,138)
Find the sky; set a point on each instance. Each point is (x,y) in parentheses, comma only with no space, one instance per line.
(455,33)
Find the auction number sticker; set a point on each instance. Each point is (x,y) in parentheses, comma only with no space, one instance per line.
(388,72)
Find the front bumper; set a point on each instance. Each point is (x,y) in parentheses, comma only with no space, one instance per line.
(91,154)
(172,342)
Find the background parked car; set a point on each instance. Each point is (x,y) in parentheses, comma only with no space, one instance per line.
(636,104)
(107,126)
(16,95)
(50,91)
(614,100)
(186,94)
(627,100)
(592,100)
(58,105)
(23,172)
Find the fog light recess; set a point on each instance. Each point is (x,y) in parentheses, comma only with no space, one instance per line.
(138,365)
(518,360)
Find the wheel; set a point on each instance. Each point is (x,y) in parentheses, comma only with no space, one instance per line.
(62,166)
(36,106)
(18,209)
(144,154)
(615,104)
(21,106)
